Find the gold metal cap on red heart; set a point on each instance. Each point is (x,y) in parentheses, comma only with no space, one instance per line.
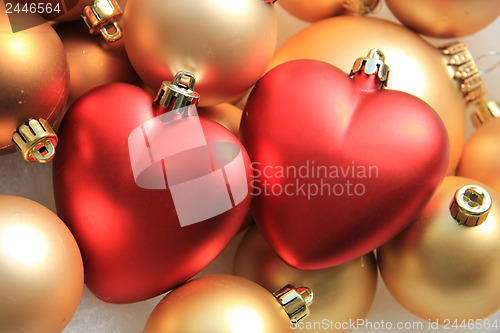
(179,93)
(484,112)
(101,17)
(36,141)
(295,301)
(361,6)
(471,205)
(373,63)
(465,71)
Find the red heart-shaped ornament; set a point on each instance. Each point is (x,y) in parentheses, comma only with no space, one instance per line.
(129,228)
(340,165)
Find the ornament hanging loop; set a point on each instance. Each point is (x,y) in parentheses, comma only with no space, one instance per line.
(295,301)
(36,141)
(101,17)
(470,205)
(485,55)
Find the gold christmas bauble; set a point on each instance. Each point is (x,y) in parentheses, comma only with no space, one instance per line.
(226,44)
(442,269)
(480,158)
(218,303)
(34,75)
(417,67)
(445,18)
(225,114)
(92,61)
(341,293)
(41,270)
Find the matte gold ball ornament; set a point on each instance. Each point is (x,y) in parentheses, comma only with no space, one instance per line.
(41,270)
(228,304)
(445,18)
(446,78)
(341,293)
(446,265)
(226,44)
(481,159)
(312,11)
(33,85)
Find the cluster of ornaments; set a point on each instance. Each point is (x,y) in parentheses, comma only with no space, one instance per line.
(349,158)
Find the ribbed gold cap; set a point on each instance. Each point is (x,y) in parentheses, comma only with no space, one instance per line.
(471,205)
(36,141)
(484,112)
(295,301)
(373,63)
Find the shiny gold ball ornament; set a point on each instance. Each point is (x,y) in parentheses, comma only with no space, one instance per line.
(446,265)
(33,77)
(341,293)
(41,270)
(92,61)
(445,18)
(312,11)
(446,78)
(228,304)
(226,44)
(480,158)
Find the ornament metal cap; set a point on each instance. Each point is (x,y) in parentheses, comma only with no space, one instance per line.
(373,63)
(179,93)
(361,6)
(36,141)
(471,205)
(484,112)
(295,301)
(101,17)
(465,71)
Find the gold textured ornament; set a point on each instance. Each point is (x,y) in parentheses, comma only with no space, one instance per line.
(225,114)
(445,18)
(33,77)
(481,158)
(446,265)
(227,304)
(41,270)
(92,61)
(226,44)
(417,67)
(341,293)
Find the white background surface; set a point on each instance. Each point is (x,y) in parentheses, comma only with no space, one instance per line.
(35,182)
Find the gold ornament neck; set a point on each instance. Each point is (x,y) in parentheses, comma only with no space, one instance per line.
(465,71)
(361,7)
(295,301)
(471,205)
(36,141)
(484,112)
(102,17)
